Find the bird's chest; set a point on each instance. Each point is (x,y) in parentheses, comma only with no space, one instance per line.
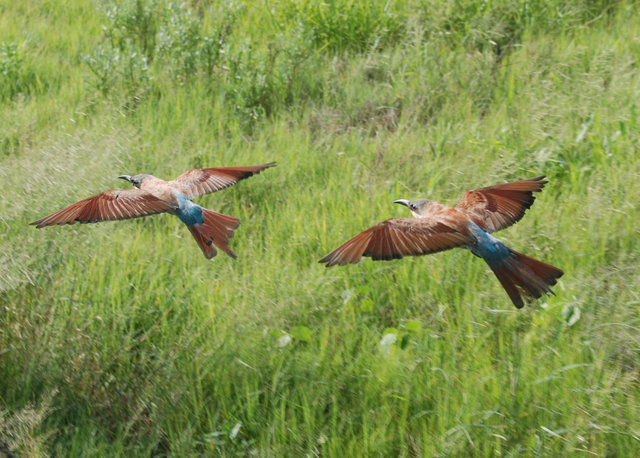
(189,212)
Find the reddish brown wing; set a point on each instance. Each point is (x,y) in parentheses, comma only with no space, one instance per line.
(197,182)
(500,206)
(107,206)
(396,238)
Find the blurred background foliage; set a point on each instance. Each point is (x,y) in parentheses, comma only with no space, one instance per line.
(120,339)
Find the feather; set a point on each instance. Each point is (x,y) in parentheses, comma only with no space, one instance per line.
(107,206)
(197,182)
(497,207)
(521,275)
(217,229)
(399,237)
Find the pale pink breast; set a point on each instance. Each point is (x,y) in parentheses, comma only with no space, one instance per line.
(159,188)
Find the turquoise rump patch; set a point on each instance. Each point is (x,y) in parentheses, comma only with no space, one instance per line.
(188,212)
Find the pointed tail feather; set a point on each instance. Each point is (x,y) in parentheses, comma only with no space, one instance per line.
(217,229)
(521,275)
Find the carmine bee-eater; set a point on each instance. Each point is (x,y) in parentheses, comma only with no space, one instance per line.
(153,195)
(469,225)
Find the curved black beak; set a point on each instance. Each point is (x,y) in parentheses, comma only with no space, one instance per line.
(404,202)
(125,177)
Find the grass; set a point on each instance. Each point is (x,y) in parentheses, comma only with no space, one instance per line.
(121,339)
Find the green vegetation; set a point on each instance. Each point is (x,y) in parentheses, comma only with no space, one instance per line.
(120,339)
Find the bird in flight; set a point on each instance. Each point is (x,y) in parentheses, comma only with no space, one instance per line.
(152,195)
(436,227)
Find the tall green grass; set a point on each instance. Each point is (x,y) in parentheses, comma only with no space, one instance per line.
(121,339)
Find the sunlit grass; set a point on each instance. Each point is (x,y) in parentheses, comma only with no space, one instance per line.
(121,339)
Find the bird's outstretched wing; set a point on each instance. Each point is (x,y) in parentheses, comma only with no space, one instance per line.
(497,207)
(399,237)
(107,206)
(198,182)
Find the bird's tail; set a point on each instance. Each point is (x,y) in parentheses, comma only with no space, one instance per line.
(521,275)
(216,229)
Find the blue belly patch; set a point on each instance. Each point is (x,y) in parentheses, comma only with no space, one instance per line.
(492,250)
(189,212)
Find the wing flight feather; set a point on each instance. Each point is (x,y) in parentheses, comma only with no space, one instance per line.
(197,182)
(497,207)
(107,206)
(399,237)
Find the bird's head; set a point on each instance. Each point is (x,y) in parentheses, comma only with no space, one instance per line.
(135,180)
(417,207)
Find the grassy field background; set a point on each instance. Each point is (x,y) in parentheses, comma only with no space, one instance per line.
(120,339)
